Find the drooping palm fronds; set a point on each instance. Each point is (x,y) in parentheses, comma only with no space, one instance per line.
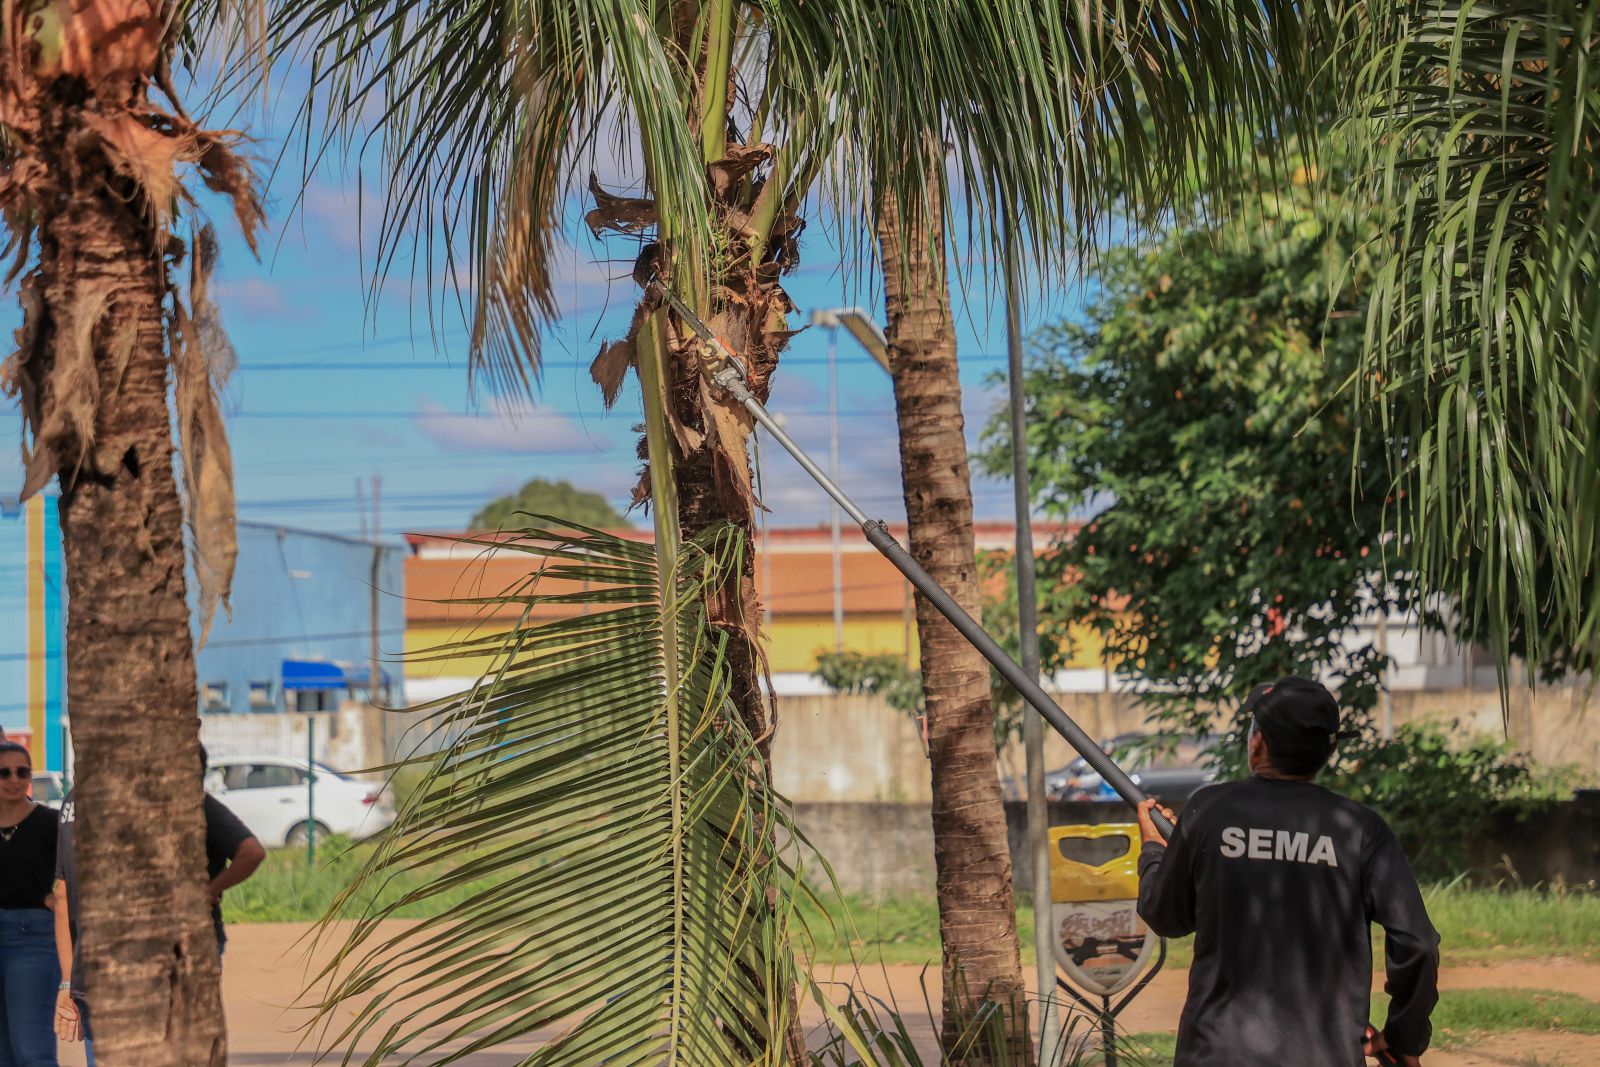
(637,906)
(1065,121)
(1480,126)
(489,117)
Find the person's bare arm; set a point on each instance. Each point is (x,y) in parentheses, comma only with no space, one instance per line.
(68,1026)
(244,864)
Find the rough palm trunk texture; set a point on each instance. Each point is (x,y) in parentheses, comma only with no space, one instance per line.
(977,910)
(150,958)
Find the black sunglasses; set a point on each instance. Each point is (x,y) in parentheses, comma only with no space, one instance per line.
(23,773)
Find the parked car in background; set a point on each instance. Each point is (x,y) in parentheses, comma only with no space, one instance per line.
(1167,769)
(47,789)
(269,794)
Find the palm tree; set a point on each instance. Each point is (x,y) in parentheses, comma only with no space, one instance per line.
(1479,131)
(488,115)
(91,194)
(1166,111)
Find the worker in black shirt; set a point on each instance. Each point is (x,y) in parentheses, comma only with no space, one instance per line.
(1279,879)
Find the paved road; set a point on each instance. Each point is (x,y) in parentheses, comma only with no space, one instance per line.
(267,968)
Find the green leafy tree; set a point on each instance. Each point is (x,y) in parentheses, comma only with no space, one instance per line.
(559,500)
(1200,414)
(1197,414)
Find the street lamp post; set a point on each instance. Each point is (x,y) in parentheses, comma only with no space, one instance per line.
(830,321)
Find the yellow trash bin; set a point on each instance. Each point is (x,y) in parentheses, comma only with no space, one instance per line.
(1098,937)
(1094,862)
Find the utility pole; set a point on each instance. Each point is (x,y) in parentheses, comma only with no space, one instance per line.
(1383,653)
(1028,642)
(830,320)
(373,726)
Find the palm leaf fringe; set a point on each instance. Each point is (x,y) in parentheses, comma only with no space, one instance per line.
(1479,124)
(636,904)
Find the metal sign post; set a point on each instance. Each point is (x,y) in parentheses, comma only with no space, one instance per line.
(1096,934)
(311,792)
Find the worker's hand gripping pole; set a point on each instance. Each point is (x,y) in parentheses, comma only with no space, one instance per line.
(727,373)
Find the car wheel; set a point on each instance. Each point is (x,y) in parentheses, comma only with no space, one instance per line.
(298,834)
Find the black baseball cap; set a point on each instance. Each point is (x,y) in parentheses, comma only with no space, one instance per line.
(1299,719)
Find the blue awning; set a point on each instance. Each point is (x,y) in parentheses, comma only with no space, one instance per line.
(327,674)
(312,674)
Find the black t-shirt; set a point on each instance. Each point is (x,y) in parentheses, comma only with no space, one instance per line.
(1279,881)
(224,834)
(28,860)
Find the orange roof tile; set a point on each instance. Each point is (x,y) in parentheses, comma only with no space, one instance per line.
(794,576)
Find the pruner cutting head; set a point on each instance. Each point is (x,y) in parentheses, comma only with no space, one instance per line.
(716,355)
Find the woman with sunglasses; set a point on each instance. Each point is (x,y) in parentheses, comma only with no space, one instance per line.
(30,970)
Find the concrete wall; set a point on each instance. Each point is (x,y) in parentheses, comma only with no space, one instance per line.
(348,740)
(1557,846)
(857,774)
(831,749)
(874,849)
(878,850)
(847,748)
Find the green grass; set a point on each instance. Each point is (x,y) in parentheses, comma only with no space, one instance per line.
(1476,925)
(1479,925)
(1463,1013)
(1463,1016)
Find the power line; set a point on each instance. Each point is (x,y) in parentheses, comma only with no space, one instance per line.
(517,416)
(238,642)
(544,365)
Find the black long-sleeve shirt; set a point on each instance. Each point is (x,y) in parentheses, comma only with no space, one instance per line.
(1279,881)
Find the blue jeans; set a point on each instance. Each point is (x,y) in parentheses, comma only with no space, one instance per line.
(29,975)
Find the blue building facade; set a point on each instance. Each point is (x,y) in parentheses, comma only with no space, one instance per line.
(299,636)
(32,630)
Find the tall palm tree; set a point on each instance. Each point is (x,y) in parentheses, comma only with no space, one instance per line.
(488,115)
(1479,127)
(91,193)
(1175,92)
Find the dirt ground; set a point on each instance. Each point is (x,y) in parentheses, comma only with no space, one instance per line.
(265,970)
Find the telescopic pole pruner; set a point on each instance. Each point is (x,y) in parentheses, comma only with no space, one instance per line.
(725,370)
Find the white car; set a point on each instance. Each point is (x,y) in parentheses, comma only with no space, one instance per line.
(270,796)
(47,789)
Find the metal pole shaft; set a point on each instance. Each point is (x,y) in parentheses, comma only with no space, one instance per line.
(878,534)
(1028,645)
(311,791)
(833,472)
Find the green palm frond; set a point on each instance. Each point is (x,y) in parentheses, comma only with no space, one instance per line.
(637,907)
(486,115)
(1480,126)
(1060,117)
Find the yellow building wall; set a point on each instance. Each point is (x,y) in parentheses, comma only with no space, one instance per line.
(792,644)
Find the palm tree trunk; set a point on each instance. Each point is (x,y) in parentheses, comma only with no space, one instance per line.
(977,910)
(150,965)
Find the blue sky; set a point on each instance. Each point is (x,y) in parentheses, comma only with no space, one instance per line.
(330,390)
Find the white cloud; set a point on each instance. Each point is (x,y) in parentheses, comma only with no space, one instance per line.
(509,425)
(257,298)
